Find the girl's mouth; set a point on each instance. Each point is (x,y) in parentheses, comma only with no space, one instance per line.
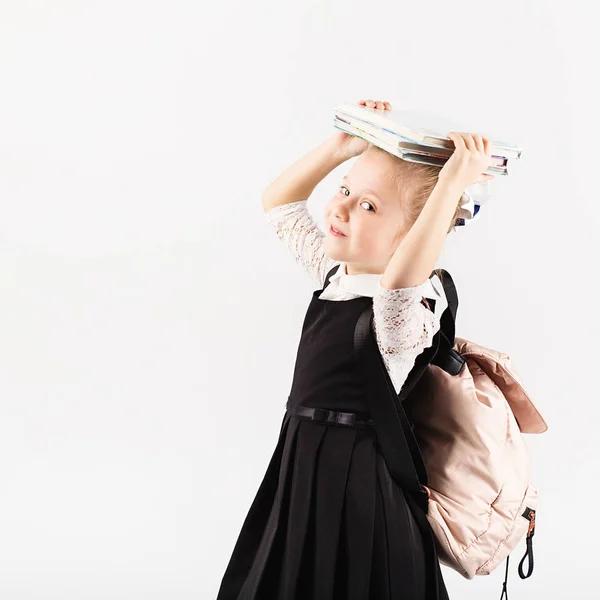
(335,232)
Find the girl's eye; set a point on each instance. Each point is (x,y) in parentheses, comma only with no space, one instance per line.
(365,202)
(343,187)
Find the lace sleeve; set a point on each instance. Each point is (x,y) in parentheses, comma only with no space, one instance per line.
(403,327)
(295,227)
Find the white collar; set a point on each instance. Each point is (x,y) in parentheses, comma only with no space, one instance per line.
(366,284)
(362,284)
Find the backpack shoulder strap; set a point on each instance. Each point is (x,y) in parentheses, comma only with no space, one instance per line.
(447,357)
(396,439)
(394,429)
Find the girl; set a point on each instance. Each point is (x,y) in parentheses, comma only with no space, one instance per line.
(328,522)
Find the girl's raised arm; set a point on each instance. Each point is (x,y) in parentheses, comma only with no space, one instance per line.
(415,257)
(284,202)
(300,179)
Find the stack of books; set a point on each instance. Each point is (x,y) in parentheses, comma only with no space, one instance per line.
(415,136)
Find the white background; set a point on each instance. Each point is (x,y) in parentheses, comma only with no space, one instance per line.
(149,318)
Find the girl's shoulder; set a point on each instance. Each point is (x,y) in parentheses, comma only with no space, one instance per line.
(295,227)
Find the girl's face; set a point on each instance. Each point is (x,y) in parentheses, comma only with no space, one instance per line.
(366,208)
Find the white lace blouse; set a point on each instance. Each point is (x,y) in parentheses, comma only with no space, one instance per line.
(403,326)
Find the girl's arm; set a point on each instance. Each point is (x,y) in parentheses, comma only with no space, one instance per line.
(403,328)
(415,257)
(285,199)
(300,179)
(285,202)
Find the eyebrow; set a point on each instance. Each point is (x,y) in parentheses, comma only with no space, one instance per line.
(365,191)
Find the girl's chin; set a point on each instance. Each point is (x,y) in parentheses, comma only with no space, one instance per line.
(333,254)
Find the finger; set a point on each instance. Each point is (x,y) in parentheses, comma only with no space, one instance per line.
(457,139)
(370,103)
(487,147)
(469,141)
(486,177)
(478,142)
(483,177)
(379,104)
(387,105)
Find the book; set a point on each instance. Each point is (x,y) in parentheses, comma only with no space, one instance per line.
(424,157)
(401,142)
(420,127)
(416,135)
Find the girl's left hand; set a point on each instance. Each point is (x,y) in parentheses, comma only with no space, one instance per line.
(471,157)
(351,145)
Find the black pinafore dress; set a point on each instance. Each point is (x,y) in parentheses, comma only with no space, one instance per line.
(328,522)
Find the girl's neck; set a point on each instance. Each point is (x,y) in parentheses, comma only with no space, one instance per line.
(358,269)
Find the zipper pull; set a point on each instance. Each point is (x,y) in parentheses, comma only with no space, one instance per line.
(530,515)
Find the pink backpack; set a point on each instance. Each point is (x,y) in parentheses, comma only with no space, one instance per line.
(453,440)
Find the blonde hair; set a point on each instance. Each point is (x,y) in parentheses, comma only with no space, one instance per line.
(415,182)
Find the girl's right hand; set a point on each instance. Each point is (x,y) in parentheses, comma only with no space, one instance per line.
(350,145)
(471,157)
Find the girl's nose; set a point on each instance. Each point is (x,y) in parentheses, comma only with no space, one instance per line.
(340,216)
(340,211)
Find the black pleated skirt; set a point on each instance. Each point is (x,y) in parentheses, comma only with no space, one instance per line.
(328,522)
